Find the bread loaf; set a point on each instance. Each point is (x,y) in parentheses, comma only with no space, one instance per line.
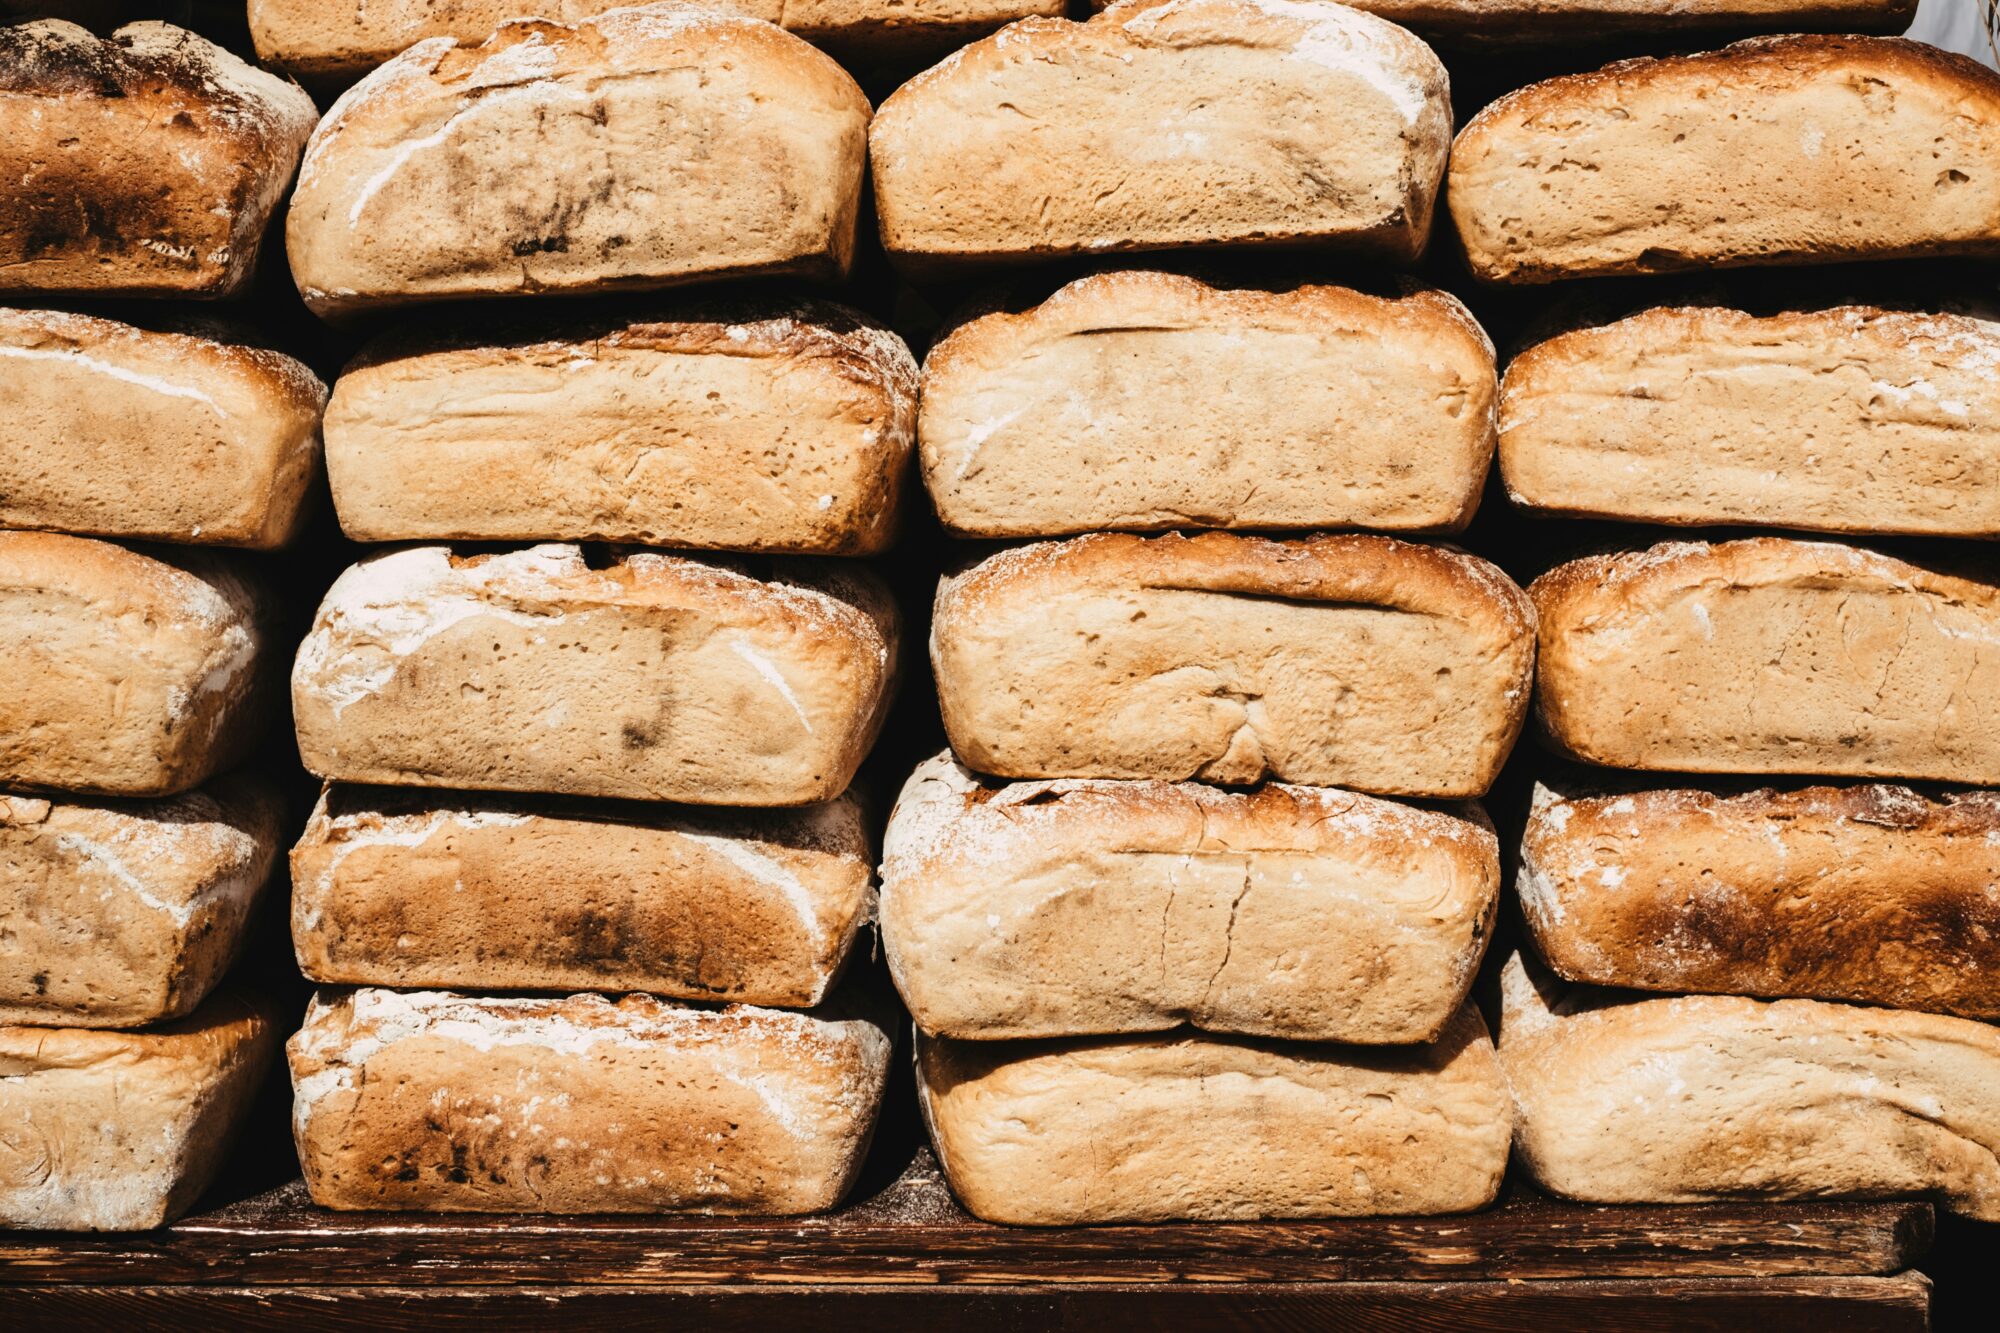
(457,891)
(1166,1128)
(1484,23)
(1869,893)
(119,431)
(1780,150)
(1143,400)
(578,1104)
(117,913)
(646,147)
(1051,909)
(759,426)
(1845,419)
(1156,125)
(128,674)
(649,676)
(146,163)
(122,1131)
(1352,661)
(1770,656)
(343,39)
(1626,1100)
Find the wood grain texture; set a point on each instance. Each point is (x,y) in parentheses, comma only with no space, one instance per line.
(910,1231)
(1823,1305)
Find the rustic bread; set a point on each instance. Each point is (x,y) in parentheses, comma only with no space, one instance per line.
(643,148)
(1144,400)
(146,163)
(1156,125)
(1770,656)
(1869,893)
(119,431)
(1780,150)
(578,1104)
(466,892)
(128,674)
(1028,909)
(122,1131)
(117,913)
(762,426)
(319,39)
(1183,1126)
(1480,23)
(1630,1100)
(1843,419)
(1352,661)
(649,676)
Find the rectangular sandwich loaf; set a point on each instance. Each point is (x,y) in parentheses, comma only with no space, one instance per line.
(755,426)
(580,1104)
(1191,1127)
(122,1131)
(1048,909)
(458,891)
(128,673)
(1354,661)
(1142,400)
(118,913)
(643,675)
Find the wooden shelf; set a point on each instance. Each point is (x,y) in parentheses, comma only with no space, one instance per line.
(904,1245)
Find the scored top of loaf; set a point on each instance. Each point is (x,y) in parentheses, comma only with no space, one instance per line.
(1337,567)
(221,840)
(1632,576)
(1114,293)
(342,1032)
(1389,58)
(182,587)
(948,814)
(54,58)
(403,597)
(1602,798)
(528,51)
(52,334)
(1767,62)
(740,326)
(210,1036)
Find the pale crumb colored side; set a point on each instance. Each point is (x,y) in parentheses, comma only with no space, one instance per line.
(1769,655)
(118,431)
(123,1131)
(120,913)
(1191,1127)
(1708,1097)
(772,425)
(130,674)
(1776,150)
(1139,399)
(1357,661)
(647,676)
(1162,125)
(1839,419)
(1067,908)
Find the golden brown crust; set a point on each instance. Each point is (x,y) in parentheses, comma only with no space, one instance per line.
(1871,893)
(149,161)
(1803,205)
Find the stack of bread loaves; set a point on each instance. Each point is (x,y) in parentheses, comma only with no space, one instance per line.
(142,165)
(1863,916)
(517,741)
(1171,949)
